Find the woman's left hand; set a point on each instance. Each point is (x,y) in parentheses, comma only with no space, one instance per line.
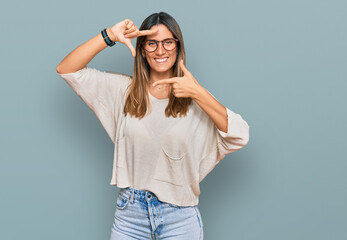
(185,86)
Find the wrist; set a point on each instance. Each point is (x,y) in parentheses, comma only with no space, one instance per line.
(199,92)
(111,36)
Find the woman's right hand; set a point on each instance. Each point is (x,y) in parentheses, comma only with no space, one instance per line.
(126,30)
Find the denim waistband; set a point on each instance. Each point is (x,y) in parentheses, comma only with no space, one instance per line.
(138,194)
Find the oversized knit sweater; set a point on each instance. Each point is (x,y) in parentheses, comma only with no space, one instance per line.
(167,156)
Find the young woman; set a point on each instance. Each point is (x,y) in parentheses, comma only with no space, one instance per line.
(169,132)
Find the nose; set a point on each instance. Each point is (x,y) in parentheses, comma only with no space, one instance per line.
(160,49)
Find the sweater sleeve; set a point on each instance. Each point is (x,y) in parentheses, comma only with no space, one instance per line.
(102,92)
(217,144)
(214,144)
(236,137)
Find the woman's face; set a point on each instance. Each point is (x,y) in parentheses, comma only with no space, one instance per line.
(160,53)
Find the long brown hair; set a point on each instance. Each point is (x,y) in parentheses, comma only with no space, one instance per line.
(137,99)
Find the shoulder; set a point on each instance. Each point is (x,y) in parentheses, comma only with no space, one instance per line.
(117,79)
(119,76)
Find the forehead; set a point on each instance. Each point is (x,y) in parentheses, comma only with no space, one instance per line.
(161,34)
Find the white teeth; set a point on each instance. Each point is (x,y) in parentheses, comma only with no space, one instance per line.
(161,60)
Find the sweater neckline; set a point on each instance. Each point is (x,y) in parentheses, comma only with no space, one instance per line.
(157,99)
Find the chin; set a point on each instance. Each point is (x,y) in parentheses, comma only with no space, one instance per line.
(162,70)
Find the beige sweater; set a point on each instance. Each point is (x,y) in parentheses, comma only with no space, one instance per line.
(168,156)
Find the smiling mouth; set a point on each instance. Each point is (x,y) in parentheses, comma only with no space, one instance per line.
(161,60)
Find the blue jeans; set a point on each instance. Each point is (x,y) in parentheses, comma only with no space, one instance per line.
(141,215)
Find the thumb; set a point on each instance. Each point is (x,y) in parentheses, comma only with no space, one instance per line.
(131,47)
(184,69)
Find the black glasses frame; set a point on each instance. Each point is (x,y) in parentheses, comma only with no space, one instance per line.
(162,44)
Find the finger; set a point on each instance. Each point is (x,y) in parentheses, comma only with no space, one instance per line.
(184,69)
(133,28)
(175,85)
(131,47)
(164,87)
(163,81)
(148,32)
(132,34)
(126,23)
(129,24)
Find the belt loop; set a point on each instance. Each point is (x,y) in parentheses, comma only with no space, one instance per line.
(132,195)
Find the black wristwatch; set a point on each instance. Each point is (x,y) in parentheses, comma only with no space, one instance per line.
(108,41)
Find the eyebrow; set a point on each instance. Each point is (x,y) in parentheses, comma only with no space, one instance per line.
(161,40)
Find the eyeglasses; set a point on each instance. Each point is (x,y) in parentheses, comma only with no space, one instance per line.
(168,44)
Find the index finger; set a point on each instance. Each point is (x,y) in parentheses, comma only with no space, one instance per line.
(148,32)
(169,80)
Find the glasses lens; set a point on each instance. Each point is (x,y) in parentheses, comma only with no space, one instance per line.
(150,45)
(169,44)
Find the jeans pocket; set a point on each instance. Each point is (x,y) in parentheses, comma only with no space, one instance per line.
(199,216)
(200,222)
(122,201)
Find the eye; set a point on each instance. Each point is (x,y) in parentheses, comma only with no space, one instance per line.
(168,42)
(151,43)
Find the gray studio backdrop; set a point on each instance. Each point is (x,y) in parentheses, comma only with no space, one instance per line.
(280,64)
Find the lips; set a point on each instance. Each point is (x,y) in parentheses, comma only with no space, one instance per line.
(161,60)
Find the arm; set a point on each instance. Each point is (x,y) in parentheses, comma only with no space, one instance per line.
(83,54)
(232,129)
(214,109)
(121,32)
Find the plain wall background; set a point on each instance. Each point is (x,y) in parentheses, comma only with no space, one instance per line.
(280,64)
